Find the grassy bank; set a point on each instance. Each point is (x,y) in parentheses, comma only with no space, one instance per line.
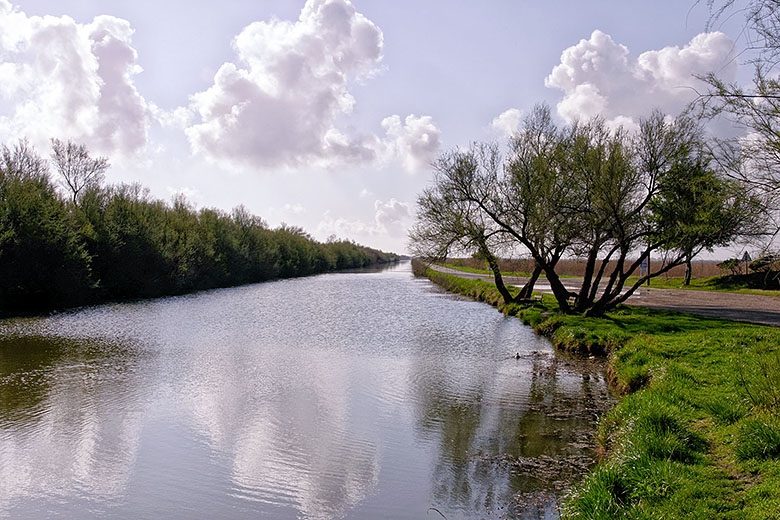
(697,433)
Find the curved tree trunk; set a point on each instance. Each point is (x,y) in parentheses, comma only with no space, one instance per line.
(528,289)
(560,292)
(583,300)
(499,280)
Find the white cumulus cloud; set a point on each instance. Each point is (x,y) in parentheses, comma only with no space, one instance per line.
(276,106)
(59,78)
(391,219)
(600,76)
(508,121)
(415,140)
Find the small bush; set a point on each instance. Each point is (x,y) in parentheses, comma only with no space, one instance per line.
(731,266)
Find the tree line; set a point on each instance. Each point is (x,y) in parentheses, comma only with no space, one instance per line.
(95,243)
(609,196)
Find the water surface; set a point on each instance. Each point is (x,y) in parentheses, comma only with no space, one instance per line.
(350,395)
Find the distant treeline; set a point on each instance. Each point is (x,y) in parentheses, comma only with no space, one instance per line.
(117,242)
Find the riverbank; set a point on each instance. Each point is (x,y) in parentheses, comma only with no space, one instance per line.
(697,433)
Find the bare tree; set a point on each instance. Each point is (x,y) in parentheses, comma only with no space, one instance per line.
(753,159)
(77,169)
(22,161)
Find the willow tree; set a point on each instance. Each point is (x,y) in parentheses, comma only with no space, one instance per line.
(585,191)
(538,200)
(682,205)
(454,215)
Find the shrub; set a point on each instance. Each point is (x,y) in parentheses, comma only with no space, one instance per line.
(731,266)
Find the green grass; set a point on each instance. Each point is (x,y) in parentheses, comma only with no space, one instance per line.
(697,433)
(519,274)
(713,283)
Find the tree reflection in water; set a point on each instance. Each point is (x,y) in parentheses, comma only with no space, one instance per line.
(64,423)
(290,400)
(510,441)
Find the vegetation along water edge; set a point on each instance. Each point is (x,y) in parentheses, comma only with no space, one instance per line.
(697,431)
(92,243)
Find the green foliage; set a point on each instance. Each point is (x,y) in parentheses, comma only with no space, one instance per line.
(118,242)
(695,208)
(731,265)
(43,262)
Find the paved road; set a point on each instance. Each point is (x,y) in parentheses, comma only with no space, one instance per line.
(739,307)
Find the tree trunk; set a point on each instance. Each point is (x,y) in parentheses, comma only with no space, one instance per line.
(560,292)
(597,280)
(528,289)
(688,268)
(499,280)
(583,301)
(604,305)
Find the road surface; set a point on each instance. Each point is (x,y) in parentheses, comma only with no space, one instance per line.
(739,307)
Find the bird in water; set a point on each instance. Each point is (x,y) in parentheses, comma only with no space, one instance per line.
(517,356)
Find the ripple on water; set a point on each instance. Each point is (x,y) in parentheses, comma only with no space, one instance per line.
(335,396)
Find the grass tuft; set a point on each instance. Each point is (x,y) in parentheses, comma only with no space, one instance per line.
(759,439)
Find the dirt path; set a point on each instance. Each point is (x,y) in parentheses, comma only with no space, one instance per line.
(739,307)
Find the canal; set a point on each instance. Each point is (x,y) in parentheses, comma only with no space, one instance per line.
(360,395)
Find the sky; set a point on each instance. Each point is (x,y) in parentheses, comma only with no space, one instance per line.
(327,114)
